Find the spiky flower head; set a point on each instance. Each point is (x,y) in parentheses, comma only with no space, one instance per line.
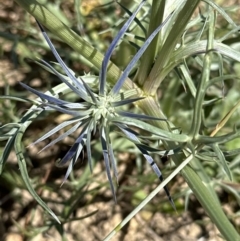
(98,111)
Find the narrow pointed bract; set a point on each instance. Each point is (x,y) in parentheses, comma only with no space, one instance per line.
(64,67)
(106,158)
(79,143)
(88,145)
(54,130)
(120,82)
(44,96)
(71,86)
(108,54)
(126,101)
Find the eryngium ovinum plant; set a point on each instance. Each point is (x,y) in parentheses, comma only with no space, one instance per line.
(99,111)
(101,108)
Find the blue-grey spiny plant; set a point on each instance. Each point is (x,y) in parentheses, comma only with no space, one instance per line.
(99,111)
(184,43)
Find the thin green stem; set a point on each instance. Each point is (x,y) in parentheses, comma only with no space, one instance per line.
(155,78)
(148,57)
(197,113)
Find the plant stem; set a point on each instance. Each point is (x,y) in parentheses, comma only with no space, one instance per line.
(155,78)
(148,57)
(200,189)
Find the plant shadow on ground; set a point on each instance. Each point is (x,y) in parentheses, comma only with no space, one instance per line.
(23,219)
